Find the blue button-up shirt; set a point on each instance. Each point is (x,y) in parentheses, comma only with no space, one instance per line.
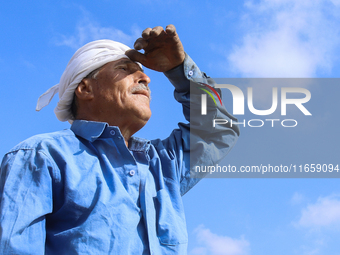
(83,191)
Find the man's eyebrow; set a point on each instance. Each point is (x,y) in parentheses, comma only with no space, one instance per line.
(128,61)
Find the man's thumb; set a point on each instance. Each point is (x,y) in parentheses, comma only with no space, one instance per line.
(136,56)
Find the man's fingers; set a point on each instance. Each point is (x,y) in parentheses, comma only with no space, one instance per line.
(156,31)
(136,56)
(170,29)
(140,44)
(162,47)
(146,33)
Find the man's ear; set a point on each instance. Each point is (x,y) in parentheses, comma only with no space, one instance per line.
(84,91)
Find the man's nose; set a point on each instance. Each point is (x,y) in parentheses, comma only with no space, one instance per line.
(142,77)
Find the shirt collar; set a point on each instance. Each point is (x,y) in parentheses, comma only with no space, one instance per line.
(89,130)
(139,144)
(92,130)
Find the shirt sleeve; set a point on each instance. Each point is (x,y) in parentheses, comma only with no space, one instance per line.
(198,141)
(25,200)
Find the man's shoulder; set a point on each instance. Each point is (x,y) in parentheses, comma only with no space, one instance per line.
(40,141)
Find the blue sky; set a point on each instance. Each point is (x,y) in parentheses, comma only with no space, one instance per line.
(265,38)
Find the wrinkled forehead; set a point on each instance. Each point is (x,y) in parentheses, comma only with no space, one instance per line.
(127,61)
(117,63)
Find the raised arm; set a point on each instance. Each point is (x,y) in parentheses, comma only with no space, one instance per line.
(198,142)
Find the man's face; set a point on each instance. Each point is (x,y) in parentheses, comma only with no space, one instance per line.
(121,93)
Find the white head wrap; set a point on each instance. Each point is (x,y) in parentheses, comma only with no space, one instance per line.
(87,59)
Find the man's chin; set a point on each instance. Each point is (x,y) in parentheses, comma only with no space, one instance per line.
(142,119)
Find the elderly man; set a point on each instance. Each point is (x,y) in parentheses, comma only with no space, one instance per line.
(94,188)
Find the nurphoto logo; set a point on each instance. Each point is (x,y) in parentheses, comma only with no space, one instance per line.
(239,104)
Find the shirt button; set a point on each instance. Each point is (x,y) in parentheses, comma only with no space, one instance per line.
(190,73)
(112,132)
(132,172)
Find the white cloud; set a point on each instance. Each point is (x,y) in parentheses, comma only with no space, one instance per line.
(324,213)
(89,30)
(28,64)
(336,2)
(212,244)
(311,251)
(297,198)
(287,38)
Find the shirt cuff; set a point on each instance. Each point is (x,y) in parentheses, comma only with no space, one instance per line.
(181,75)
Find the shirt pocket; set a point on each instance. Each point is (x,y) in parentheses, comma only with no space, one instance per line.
(171,225)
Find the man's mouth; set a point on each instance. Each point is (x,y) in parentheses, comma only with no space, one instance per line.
(142,89)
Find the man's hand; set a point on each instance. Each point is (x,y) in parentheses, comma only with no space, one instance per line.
(163,49)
